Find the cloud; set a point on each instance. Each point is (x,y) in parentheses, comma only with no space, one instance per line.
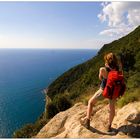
(121,17)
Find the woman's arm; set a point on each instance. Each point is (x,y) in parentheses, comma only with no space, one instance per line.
(102,73)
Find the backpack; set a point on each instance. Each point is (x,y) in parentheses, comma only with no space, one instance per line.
(115,86)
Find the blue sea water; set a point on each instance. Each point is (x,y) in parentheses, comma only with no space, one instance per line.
(24,73)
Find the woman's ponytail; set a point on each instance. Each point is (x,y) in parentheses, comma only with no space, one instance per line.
(111,60)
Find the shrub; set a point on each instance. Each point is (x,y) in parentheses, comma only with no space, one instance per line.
(51,110)
(29,130)
(134,81)
(130,96)
(62,102)
(24,132)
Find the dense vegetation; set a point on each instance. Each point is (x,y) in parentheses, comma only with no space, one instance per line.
(78,82)
(30,130)
(79,78)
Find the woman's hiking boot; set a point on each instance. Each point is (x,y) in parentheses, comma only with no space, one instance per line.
(85,122)
(109,128)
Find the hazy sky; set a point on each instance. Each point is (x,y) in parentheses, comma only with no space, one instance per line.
(65,24)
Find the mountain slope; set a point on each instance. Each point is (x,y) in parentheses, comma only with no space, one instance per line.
(81,81)
(79,78)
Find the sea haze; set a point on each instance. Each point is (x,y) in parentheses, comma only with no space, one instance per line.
(24,73)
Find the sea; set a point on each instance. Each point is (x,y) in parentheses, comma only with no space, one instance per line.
(24,73)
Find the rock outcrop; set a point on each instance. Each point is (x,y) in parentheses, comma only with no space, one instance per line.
(66,124)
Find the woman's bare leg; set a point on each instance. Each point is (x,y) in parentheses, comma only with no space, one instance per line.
(112,112)
(86,121)
(92,102)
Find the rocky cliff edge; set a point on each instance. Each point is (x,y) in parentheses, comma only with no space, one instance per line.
(66,124)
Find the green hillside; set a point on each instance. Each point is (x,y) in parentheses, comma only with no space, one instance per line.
(81,81)
(75,81)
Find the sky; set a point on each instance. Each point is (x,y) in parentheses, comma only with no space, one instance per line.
(76,25)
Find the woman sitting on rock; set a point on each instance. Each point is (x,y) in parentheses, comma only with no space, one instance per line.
(111,63)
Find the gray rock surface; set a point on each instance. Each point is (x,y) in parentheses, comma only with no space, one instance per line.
(66,124)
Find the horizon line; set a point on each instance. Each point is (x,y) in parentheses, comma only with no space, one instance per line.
(55,48)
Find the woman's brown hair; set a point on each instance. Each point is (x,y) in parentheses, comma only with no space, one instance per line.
(111,60)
